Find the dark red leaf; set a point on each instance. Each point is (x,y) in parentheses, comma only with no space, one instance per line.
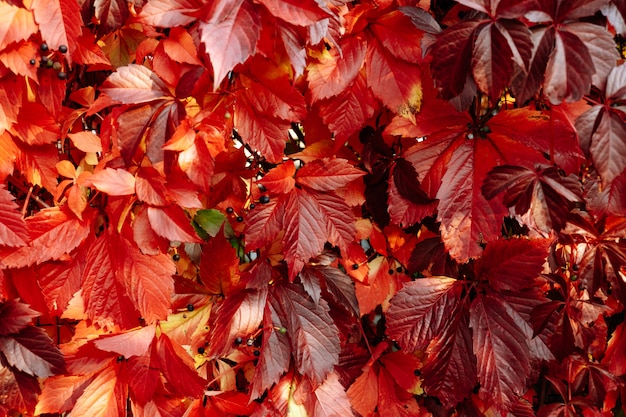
(312,333)
(413,325)
(15,316)
(33,352)
(501,349)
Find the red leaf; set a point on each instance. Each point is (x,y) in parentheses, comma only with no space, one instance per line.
(513,264)
(32,351)
(53,232)
(178,368)
(100,398)
(13,230)
(265,134)
(331,398)
(347,112)
(413,325)
(134,84)
(452,57)
(15,316)
(111,14)
(172,223)
(61,392)
(111,181)
(16,24)
(327,174)
(230,36)
(86,141)
(545,192)
(337,68)
(396,83)
(301,13)
(128,344)
(312,333)
(304,230)
(273,97)
(501,349)
(450,370)
(239,315)
(275,350)
(118,278)
(280,180)
(169,13)
(59,21)
(20,391)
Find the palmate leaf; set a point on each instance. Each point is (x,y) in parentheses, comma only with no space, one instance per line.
(494,48)
(568,55)
(544,191)
(602,131)
(453,162)
(308,218)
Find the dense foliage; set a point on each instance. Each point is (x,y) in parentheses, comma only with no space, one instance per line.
(312,207)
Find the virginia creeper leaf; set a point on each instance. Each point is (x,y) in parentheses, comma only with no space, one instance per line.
(53,232)
(414,325)
(32,351)
(312,333)
(13,230)
(15,316)
(230,37)
(327,174)
(60,22)
(134,84)
(16,24)
(501,349)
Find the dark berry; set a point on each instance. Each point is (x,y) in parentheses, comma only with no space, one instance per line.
(238,341)
(33,61)
(390,272)
(264,199)
(44,47)
(355,266)
(229,210)
(575,267)
(417,372)
(252,206)
(189,307)
(256,353)
(176,257)
(120,358)
(44,60)
(201,350)
(62,49)
(399,270)
(57,66)
(239,219)
(61,75)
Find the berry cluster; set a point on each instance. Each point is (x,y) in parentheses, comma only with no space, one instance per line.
(47,60)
